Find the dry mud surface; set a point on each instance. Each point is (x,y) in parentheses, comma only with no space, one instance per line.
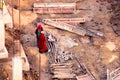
(97,54)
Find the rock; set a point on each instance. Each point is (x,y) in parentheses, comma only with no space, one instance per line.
(51,38)
(85,39)
(113,58)
(110,45)
(69,42)
(64,56)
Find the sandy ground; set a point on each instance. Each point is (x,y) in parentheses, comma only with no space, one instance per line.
(98,55)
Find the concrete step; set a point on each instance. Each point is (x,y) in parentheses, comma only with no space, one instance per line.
(21,53)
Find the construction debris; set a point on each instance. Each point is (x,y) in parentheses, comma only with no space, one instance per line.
(69,42)
(63,56)
(68,69)
(77,30)
(62,71)
(93,32)
(113,75)
(54,5)
(54,8)
(67,65)
(84,77)
(46,8)
(65,26)
(72,21)
(84,69)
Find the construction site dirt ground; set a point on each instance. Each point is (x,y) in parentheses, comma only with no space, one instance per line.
(98,54)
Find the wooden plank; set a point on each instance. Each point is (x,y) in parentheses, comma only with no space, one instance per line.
(58,72)
(61,64)
(96,32)
(114,75)
(62,70)
(83,67)
(54,10)
(84,77)
(67,27)
(118,69)
(108,74)
(42,5)
(64,75)
(60,67)
(72,21)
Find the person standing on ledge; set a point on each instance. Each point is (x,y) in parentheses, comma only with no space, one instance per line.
(41,39)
